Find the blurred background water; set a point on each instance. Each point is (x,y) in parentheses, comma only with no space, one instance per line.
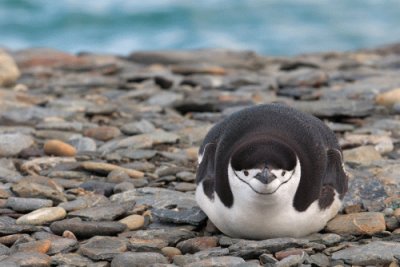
(275,27)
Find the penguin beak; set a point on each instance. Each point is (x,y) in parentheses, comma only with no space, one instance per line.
(265,176)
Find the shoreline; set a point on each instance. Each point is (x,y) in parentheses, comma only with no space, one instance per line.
(98,154)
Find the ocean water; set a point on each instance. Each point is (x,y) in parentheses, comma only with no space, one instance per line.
(273,27)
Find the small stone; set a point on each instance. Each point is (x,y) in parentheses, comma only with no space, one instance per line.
(391,223)
(293,260)
(118,176)
(12,144)
(375,253)
(31,188)
(197,244)
(268,259)
(102,188)
(84,229)
(103,248)
(217,262)
(171,236)
(357,223)
(85,201)
(362,155)
(388,98)
(21,204)
(122,187)
(8,226)
(318,259)
(133,222)
(388,211)
(83,144)
(146,245)
(42,216)
(102,167)
(170,252)
(140,127)
(59,148)
(185,187)
(138,259)
(41,246)
(396,214)
(103,213)
(9,71)
(70,259)
(286,253)
(102,133)
(27,259)
(69,235)
(4,250)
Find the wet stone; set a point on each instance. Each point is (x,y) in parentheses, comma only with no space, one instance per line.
(84,229)
(27,204)
(138,259)
(103,248)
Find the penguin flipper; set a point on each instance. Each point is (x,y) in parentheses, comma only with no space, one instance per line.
(206,169)
(335,179)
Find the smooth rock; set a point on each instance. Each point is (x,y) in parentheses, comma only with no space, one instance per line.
(27,259)
(362,155)
(197,244)
(140,127)
(293,260)
(171,236)
(41,246)
(83,144)
(122,187)
(70,259)
(42,216)
(21,204)
(59,148)
(133,222)
(98,187)
(102,133)
(248,249)
(168,205)
(357,223)
(9,71)
(138,259)
(170,252)
(30,189)
(106,168)
(375,253)
(217,262)
(146,245)
(388,98)
(84,229)
(85,201)
(103,213)
(12,144)
(103,248)
(8,226)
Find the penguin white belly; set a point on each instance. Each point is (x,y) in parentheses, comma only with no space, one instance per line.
(250,220)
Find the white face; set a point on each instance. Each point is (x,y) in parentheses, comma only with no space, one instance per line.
(248,178)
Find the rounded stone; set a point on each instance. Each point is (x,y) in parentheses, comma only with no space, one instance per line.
(133,222)
(138,259)
(102,133)
(170,252)
(9,71)
(22,204)
(59,148)
(12,144)
(42,216)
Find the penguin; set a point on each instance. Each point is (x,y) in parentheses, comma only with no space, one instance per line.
(270,171)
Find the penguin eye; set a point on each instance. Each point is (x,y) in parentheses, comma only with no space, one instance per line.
(283,173)
(246,173)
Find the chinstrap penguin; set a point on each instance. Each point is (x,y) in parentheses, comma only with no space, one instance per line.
(270,171)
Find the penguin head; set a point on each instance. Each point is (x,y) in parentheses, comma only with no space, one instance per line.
(263,165)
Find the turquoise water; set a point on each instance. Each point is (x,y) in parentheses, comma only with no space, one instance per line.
(277,27)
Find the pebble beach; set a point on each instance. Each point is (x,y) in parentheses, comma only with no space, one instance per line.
(98,155)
